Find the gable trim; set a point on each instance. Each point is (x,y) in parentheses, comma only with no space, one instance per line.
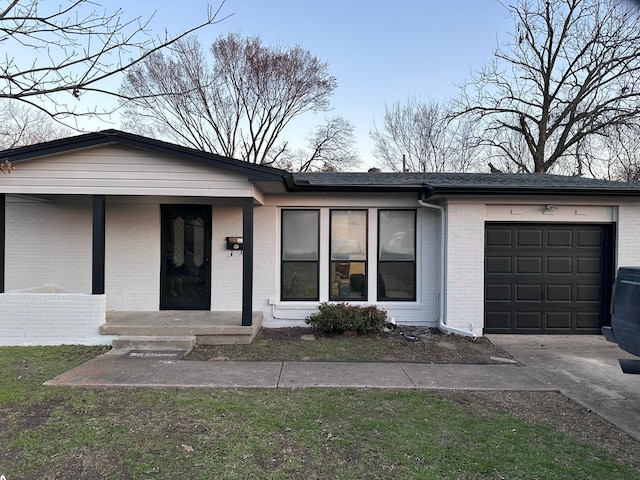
(106,137)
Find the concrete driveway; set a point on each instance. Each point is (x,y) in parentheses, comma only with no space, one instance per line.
(585,368)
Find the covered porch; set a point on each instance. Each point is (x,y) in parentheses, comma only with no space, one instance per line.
(135,226)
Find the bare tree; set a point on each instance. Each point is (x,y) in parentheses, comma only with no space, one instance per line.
(620,151)
(331,148)
(569,72)
(420,136)
(238,106)
(22,125)
(58,51)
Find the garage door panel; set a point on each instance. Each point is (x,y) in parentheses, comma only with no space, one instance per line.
(558,320)
(589,265)
(498,293)
(529,265)
(589,238)
(498,265)
(560,238)
(547,278)
(587,321)
(559,293)
(529,238)
(589,293)
(527,293)
(501,320)
(559,265)
(499,237)
(528,320)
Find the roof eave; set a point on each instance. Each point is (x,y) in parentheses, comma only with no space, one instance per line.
(111,137)
(521,191)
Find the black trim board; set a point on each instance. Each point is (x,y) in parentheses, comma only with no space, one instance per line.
(247,262)
(98,246)
(2,239)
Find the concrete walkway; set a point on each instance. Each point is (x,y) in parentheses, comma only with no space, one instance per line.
(584,368)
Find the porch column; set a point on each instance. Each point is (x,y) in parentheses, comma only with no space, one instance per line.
(98,250)
(2,240)
(247,262)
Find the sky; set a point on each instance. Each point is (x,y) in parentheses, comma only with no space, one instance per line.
(380,52)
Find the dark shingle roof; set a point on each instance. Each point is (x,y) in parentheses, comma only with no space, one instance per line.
(426,183)
(462,183)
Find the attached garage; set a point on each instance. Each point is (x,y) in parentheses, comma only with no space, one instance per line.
(547,278)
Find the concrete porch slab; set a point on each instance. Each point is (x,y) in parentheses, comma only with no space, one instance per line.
(209,328)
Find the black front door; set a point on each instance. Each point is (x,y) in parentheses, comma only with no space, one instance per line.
(185,273)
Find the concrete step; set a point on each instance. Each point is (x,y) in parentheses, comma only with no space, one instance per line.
(209,328)
(144,342)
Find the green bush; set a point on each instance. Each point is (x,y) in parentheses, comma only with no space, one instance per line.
(341,317)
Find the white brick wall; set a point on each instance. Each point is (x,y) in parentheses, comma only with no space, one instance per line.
(226,270)
(52,319)
(465,267)
(48,243)
(266,272)
(628,235)
(132,270)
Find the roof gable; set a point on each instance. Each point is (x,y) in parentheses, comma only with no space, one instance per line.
(254,172)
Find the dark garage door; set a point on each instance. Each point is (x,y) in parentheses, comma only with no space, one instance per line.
(547,278)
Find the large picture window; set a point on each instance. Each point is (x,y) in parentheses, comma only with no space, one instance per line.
(348,255)
(397,255)
(300,254)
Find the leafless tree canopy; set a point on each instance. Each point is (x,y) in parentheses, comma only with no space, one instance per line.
(621,147)
(57,51)
(331,148)
(22,125)
(423,134)
(571,71)
(238,105)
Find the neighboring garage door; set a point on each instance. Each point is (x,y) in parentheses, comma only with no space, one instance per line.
(547,278)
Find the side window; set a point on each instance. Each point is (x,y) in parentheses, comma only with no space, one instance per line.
(300,254)
(348,255)
(397,255)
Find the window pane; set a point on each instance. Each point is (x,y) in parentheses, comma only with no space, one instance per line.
(349,235)
(300,280)
(348,281)
(396,280)
(178,242)
(300,235)
(397,234)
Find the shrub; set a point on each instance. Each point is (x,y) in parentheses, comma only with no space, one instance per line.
(341,317)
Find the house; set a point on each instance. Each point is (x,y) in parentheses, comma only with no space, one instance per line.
(105,228)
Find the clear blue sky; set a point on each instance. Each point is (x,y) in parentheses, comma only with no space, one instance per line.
(379,51)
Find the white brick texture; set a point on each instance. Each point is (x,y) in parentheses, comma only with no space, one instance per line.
(132,270)
(628,236)
(52,319)
(465,267)
(48,243)
(226,265)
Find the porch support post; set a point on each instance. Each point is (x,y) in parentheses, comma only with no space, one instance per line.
(247,262)
(2,239)
(98,251)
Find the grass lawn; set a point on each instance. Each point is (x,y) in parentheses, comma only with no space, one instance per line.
(63,433)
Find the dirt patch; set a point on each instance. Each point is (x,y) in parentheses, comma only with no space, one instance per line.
(424,345)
